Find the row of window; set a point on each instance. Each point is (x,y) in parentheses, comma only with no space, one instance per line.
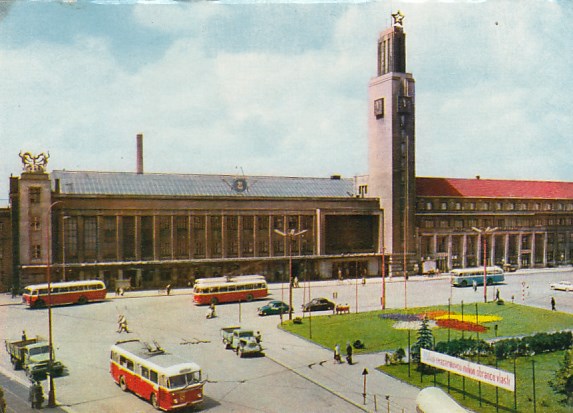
(456,205)
(167,237)
(459,223)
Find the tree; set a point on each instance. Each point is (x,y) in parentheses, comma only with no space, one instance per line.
(563,381)
(425,340)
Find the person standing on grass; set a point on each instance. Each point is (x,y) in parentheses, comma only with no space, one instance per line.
(553,304)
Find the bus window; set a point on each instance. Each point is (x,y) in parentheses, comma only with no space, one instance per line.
(145,372)
(176,381)
(153,376)
(129,364)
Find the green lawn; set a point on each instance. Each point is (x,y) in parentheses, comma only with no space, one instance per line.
(517,320)
(546,400)
(379,335)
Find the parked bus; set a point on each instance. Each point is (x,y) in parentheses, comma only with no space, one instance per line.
(229,289)
(167,381)
(463,277)
(67,292)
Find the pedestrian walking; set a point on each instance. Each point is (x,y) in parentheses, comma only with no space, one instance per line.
(24,337)
(122,324)
(168,289)
(496,294)
(348,353)
(553,304)
(475,285)
(36,395)
(337,354)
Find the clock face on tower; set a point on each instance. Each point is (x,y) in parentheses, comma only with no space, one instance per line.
(404,104)
(379,108)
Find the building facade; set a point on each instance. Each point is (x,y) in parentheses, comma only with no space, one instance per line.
(143,230)
(530,222)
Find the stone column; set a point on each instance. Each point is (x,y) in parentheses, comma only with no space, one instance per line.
(464,250)
(518,240)
(545,249)
(532,263)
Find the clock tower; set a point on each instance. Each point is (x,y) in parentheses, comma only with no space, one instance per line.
(391,144)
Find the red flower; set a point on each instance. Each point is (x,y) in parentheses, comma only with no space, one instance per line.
(461,325)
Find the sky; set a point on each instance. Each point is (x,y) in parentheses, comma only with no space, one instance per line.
(281,88)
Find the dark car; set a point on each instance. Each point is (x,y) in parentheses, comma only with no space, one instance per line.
(274,307)
(318,304)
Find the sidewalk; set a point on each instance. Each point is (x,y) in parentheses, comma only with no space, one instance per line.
(316,364)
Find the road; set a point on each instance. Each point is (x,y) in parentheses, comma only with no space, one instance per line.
(276,383)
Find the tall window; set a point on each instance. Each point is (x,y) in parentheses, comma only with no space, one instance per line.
(71,237)
(90,237)
(34,195)
(165,236)
(147,237)
(181,236)
(109,237)
(36,251)
(35,223)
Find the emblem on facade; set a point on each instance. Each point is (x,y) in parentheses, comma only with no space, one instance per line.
(240,185)
(33,163)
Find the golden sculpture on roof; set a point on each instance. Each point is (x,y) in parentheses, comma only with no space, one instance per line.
(34,163)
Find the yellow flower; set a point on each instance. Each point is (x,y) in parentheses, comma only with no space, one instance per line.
(471,318)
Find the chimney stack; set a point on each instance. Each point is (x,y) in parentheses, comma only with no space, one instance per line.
(139,153)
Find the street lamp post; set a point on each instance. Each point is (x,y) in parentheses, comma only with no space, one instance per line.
(52,389)
(290,235)
(483,233)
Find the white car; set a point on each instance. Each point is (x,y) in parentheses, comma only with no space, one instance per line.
(562,285)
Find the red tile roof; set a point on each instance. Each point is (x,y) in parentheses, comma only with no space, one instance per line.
(493,188)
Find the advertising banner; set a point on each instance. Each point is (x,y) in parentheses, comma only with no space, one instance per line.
(479,372)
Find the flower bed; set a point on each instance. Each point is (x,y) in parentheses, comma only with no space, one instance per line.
(412,325)
(433,315)
(471,318)
(461,325)
(400,317)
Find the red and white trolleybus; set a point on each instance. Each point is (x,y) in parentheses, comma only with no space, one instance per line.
(229,289)
(167,381)
(68,292)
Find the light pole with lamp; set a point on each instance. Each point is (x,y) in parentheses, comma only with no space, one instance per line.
(483,233)
(52,389)
(290,235)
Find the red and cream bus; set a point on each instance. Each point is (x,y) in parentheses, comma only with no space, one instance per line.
(167,381)
(67,292)
(229,289)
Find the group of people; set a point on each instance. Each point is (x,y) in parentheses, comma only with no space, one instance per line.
(337,355)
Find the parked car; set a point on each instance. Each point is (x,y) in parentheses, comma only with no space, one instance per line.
(562,285)
(318,304)
(509,267)
(274,307)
